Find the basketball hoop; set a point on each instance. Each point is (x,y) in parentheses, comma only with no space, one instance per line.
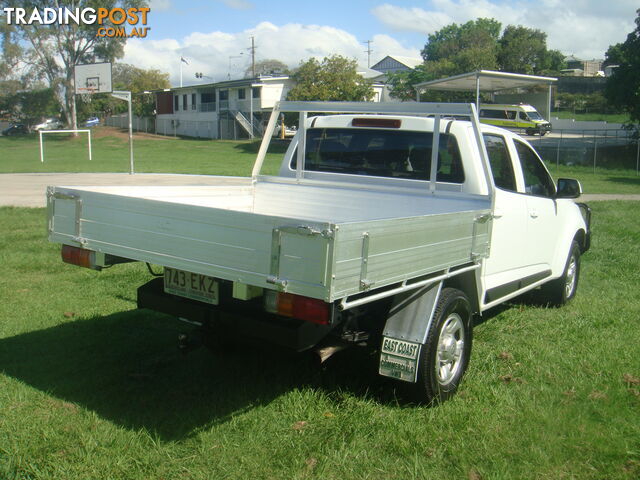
(86,93)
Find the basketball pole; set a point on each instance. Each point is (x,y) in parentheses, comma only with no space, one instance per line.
(122,95)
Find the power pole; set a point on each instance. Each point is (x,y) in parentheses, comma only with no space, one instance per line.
(253,57)
(368,51)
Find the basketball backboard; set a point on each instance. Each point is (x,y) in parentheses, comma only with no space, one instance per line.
(93,78)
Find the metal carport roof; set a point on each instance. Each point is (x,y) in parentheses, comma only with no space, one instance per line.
(487,81)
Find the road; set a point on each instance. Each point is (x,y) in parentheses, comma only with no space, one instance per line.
(29,189)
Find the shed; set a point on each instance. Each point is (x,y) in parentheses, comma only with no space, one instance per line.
(487,81)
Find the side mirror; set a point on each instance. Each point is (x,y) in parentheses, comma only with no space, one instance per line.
(568,188)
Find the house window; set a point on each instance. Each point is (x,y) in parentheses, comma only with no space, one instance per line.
(184,102)
(224,94)
(176,103)
(242,94)
(193,101)
(256,92)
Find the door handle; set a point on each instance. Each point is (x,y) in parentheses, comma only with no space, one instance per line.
(497,213)
(533,213)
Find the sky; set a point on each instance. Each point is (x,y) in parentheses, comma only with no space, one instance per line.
(214,35)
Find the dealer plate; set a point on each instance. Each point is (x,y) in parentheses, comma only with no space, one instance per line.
(191,285)
(399,359)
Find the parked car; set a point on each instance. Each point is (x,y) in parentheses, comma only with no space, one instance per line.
(49,124)
(92,122)
(15,129)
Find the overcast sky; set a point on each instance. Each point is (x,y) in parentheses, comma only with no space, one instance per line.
(208,32)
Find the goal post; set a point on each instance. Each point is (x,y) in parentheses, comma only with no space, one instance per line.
(42,132)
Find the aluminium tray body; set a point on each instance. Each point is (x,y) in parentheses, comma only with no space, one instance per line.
(320,240)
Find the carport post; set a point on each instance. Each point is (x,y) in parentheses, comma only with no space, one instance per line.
(478,92)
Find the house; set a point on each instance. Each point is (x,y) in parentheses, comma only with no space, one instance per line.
(232,109)
(582,68)
(396,63)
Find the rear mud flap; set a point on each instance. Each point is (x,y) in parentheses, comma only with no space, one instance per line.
(406,332)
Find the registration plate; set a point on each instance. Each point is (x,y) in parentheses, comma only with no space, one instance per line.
(191,285)
(399,359)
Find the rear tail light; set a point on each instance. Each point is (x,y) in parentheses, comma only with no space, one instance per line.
(297,306)
(79,256)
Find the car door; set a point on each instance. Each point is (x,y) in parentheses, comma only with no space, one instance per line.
(542,213)
(504,267)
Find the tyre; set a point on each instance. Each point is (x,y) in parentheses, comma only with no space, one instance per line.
(561,290)
(445,355)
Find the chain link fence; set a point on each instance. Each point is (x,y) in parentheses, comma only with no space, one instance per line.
(606,148)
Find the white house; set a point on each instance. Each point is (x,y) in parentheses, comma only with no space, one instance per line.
(232,109)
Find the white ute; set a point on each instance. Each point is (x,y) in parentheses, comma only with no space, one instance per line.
(388,224)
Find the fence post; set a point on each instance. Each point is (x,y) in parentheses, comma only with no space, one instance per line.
(638,157)
(558,151)
(595,151)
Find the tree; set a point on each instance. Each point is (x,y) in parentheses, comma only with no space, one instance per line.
(267,67)
(463,48)
(51,51)
(523,50)
(623,86)
(334,79)
(452,50)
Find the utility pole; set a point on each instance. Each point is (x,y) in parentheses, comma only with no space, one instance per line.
(368,51)
(253,57)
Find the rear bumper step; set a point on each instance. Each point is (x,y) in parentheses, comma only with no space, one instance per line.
(234,318)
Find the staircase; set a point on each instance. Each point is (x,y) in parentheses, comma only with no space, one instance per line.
(256,131)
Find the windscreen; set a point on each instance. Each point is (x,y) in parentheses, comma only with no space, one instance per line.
(381,153)
(535,116)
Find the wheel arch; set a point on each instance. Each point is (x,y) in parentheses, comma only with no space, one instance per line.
(468,283)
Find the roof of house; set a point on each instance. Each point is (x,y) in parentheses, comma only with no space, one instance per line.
(228,83)
(409,62)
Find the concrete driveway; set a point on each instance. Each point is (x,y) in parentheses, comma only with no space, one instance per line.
(28,189)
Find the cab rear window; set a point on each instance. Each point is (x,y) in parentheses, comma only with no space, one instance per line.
(381,153)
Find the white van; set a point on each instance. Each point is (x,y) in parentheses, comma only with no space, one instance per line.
(520,116)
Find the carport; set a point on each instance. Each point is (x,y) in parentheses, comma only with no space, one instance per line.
(487,81)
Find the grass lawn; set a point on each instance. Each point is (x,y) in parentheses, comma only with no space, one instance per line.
(601,181)
(91,388)
(593,117)
(152,154)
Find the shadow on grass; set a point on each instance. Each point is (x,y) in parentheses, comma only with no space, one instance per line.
(275,146)
(128,369)
(625,180)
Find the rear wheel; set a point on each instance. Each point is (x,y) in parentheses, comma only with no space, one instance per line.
(560,291)
(445,355)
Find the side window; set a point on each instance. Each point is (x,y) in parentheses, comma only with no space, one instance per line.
(501,166)
(536,179)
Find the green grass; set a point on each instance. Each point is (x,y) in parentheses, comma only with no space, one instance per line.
(601,181)
(91,388)
(152,154)
(593,117)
